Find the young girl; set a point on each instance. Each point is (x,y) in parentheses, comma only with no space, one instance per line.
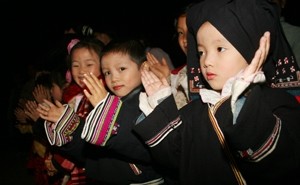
(241,131)
(84,58)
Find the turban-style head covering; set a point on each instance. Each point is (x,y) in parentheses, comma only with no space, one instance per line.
(242,23)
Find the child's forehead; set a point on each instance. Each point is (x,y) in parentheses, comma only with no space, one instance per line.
(117,58)
(116,55)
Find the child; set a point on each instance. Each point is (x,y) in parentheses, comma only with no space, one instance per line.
(115,149)
(84,58)
(241,130)
(120,64)
(178,76)
(53,82)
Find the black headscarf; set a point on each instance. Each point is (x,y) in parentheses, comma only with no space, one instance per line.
(242,23)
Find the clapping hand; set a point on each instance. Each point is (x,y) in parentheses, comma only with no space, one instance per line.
(96,91)
(40,93)
(160,69)
(152,83)
(259,57)
(30,110)
(49,111)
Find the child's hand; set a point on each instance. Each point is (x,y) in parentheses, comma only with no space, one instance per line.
(259,57)
(40,93)
(152,83)
(160,69)
(20,115)
(50,112)
(30,110)
(97,91)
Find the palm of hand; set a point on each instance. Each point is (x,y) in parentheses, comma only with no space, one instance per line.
(152,83)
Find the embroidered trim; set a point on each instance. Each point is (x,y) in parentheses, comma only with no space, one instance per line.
(164,132)
(101,122)
(60,133)
(135,169)
(152,182)
(268,146)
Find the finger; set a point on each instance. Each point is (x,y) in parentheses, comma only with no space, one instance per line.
(42,113)
(149,59)
(152,59)
(48,103)
(254,65)
(145,65)
(145,77)
(156,72)
(148,75)
(88,81)
(97,81)
(58,104)
(264,48)
(260,55)
(43,106)
(153,77)
(164,62)
(87,94)
(268,37)
(165,82)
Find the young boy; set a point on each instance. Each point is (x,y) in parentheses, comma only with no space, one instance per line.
(110,123)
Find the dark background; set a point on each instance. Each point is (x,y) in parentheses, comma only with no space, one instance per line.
(30,29)
(34,27)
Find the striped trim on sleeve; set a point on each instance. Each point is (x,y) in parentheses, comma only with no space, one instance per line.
(164,132)
(101,122)
(268,146)
(60,133)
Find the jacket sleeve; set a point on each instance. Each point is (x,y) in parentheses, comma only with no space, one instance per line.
(60,133)
(101,122)
(159,129)
(267,125)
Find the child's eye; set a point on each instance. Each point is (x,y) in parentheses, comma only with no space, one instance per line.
(221,49)
(200,53)
(106,73)
(122,68)
(179,33)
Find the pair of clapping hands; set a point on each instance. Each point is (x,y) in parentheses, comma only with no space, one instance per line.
(96,92)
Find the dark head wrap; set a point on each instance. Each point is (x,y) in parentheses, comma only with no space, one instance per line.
(242,23)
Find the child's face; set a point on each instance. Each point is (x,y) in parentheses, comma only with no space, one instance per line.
(84,61)
(182,32)
(121,74)
(219,60)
